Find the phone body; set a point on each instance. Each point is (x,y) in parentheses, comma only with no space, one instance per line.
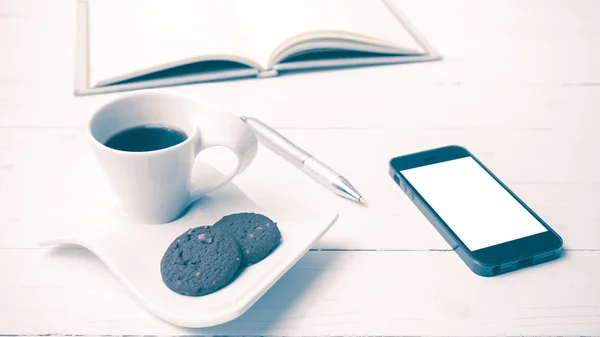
(485,223)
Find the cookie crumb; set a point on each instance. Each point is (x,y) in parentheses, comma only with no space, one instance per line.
(197,273)
(259,227)
(203,238)
(250,235)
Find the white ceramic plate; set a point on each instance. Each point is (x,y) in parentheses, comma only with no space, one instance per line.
(133,251)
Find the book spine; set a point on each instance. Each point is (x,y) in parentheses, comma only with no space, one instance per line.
(267,73)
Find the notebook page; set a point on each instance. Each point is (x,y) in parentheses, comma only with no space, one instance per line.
(133,36)
(273,22)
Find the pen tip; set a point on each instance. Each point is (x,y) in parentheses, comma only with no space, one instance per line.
(243,118)
(362,201)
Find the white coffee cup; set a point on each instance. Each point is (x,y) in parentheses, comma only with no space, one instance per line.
(156,186)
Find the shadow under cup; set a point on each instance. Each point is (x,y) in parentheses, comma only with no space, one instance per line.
(152,186)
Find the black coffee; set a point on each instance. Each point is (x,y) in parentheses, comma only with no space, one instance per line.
(146,138)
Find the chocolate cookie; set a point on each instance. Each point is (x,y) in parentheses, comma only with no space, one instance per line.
(256,234)
(200,261)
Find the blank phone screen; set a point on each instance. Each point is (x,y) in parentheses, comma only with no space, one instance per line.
(472,203)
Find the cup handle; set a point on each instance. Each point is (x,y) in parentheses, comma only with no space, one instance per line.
(238,138)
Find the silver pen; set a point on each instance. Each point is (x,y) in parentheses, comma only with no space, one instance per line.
(304,161)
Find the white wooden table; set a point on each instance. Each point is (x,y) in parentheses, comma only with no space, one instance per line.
(519,87)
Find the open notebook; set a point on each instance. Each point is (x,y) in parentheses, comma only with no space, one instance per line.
(132,44)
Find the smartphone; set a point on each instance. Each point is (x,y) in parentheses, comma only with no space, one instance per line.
(485,223)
